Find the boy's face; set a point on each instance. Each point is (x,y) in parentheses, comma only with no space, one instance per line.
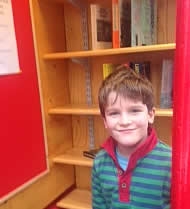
(127,122)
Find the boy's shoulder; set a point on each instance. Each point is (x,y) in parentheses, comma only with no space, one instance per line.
(101,157)
(101,154)
(164,145)
(164,148)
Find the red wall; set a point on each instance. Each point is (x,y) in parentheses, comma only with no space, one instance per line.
(22,150)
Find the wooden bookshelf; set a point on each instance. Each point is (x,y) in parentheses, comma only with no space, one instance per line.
(77,199)
(74,157)
(62,60)
(75,110)
(94,110)
(108,52)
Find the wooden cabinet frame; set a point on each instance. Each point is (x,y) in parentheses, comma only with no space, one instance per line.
(58,38)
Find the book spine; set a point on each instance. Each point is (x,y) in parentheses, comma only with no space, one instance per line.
(146,22)
(125,23)
(115,24)
(145,69)
(166,84)
(136,39)
(153,21)
(107,69)
(101,27)
(142,68)
(93,25)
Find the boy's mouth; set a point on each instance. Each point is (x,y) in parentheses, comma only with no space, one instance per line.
(126,130)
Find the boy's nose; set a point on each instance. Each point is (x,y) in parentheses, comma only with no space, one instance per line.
(125,119)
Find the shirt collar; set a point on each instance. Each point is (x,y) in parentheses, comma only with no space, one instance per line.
(143,148)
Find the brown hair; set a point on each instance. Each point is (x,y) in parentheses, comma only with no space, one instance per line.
(125,82)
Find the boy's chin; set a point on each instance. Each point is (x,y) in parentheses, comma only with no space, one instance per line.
(130,143)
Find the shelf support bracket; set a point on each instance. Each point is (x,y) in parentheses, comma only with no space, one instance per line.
(84,23)
(85,63)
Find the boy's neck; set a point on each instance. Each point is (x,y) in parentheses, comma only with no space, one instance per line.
(126,151)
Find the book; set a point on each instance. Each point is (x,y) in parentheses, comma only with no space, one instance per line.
(108,68)
(121,21)
(115,24)
(91,153)
(143,22)
(166,84)
(125,23)
(101,26)
(142,68)
(153,25)
(136,23)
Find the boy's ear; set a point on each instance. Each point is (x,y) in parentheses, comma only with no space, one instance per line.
(105,123)
(151,114)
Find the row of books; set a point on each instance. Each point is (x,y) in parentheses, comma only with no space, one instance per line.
(144,69)
(139,67)
(127,23)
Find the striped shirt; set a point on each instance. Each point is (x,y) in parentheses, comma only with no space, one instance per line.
(144,185)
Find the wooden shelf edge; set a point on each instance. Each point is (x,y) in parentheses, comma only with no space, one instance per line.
(73,110)
(85,110)
(58,1)
(164,112)
(76,199)
(73,157)
(107,52)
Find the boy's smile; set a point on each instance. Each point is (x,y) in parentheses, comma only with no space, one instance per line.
(127,122)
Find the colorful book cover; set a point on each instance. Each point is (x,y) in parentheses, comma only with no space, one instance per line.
(108,68)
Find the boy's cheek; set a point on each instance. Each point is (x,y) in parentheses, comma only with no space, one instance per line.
(109,124)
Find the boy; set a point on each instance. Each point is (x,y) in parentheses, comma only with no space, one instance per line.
(133,168)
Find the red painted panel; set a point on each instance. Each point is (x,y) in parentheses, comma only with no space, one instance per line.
(22,147)
(181,119)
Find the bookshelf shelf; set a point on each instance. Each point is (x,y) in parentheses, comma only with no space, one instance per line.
(164,112)
(74,157)
(77,199)
(93,110)
(62,2)
(109,52)
(75,110)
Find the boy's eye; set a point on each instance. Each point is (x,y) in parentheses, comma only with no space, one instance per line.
(113,113)
(135,110)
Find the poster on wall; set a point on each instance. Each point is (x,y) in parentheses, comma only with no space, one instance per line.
(9,63)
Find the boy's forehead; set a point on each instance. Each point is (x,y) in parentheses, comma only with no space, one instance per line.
(113,97)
